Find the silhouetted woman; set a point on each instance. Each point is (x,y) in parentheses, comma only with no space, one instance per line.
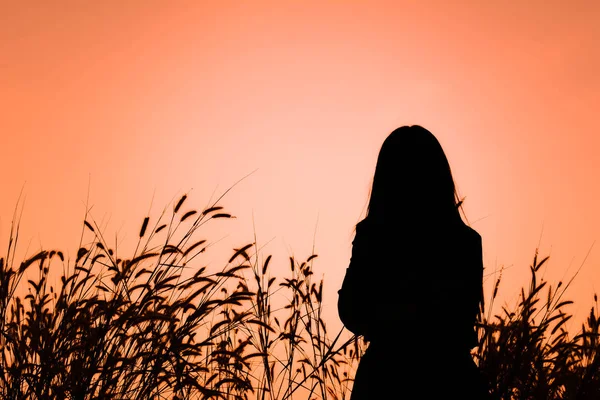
(414,283)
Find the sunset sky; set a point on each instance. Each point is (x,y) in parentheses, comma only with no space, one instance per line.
(143,101)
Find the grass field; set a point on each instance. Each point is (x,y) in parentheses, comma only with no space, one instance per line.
(158,324)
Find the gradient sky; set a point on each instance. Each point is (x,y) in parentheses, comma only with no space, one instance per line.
(142,101)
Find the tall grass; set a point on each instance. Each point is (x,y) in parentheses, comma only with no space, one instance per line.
(160,324)
(527,352)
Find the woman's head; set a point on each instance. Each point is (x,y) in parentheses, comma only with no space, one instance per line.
(412,179)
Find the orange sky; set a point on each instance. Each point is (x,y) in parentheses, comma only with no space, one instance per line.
(154,98)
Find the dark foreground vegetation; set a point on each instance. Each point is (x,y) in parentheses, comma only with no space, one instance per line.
(158,324)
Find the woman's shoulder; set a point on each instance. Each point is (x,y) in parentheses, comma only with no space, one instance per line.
(364,224)
(473,235)
(371,227)
(461,231)
(471,232)
(362,229)
(465,234)
(369,232)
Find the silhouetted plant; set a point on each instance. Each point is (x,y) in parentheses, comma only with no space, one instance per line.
(527,353)
(160,324)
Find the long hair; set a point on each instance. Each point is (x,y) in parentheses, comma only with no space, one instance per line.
(413,181)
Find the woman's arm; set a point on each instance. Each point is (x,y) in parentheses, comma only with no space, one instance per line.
(371,301)
(352,296)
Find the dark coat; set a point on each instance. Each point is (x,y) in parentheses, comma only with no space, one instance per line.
(414,294)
